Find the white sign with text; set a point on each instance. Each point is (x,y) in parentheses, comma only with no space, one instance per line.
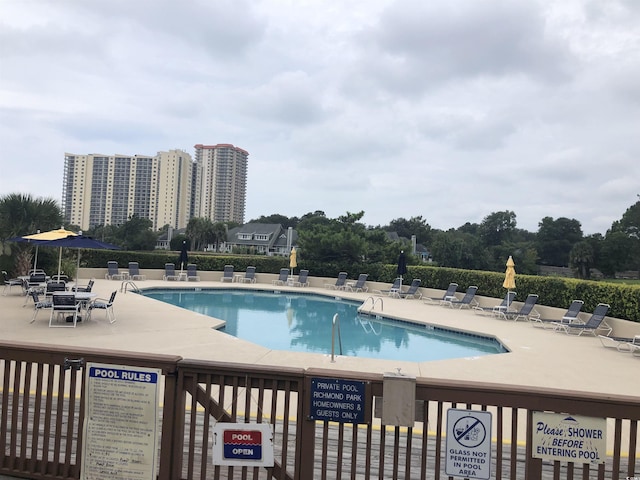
(569,438)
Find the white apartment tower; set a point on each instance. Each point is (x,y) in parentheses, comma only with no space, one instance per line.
(220,182)
(108,190)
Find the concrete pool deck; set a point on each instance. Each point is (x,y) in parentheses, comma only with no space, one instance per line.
(537,357)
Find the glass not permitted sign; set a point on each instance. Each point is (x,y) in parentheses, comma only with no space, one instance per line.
(337,400)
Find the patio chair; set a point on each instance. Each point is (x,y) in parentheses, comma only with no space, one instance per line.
(527,311)
(622,344)
(106,305)
(449,295)
(282,278)
(595,324)
(227,274)
(170,272)
(39,305)
(112,271)
(412,292)
(360,285)
(393,290)
(64,305)
(54,287)
(340,282)
(134,271)
(192,273)
(570,316)
(60,278)
(10,282)
(249,275)
(302,279)
(468,301)
(86,288)
(502,306)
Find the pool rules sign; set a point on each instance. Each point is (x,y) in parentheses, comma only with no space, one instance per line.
(468,444)
(121,422)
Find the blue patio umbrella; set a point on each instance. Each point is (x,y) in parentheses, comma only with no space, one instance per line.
(76,241)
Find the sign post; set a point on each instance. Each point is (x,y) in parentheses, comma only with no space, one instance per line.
(468,444)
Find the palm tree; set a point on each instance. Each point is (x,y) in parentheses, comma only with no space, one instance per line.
(581,258)
(22,215)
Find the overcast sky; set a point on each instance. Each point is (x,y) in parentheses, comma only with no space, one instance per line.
(446,109)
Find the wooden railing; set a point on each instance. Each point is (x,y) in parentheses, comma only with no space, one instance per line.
(42,413)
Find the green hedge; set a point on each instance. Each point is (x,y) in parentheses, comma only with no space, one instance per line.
(552,291)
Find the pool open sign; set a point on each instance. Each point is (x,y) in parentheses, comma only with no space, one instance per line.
(243,444)
(468,444)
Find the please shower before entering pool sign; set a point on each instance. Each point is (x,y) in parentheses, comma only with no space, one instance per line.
(468,444)
(569,438)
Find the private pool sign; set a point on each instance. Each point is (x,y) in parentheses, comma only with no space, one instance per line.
(243,444)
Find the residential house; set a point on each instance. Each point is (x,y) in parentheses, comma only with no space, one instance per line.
(261,238)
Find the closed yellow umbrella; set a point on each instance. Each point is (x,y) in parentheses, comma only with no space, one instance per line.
(293,263)
(509,277)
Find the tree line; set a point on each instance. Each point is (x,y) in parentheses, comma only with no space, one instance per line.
(477,246)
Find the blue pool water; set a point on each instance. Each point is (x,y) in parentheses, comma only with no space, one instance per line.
(302,323)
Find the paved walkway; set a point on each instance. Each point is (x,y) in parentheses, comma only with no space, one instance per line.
(540,358)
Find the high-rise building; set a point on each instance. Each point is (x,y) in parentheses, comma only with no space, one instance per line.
(220,182)
(108,190)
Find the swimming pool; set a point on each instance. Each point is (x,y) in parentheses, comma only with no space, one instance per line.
(302,323)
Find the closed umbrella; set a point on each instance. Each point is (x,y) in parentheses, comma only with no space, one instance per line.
(183,259)
(402,266)
(293,261)
(509,278)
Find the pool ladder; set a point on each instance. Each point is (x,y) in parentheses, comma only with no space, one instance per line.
(374,301)
(335,327)
(128,283)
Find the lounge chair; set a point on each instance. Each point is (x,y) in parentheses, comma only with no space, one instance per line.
(192,273)
(64,305)
(249,275)
(622,344)
(595,324)
(170,272)
(227,274)
(341,281)
(112,272)
(134,272)
(393,290)
(302,279)
(570,316)
(468,301)
(106,305)
(449,295)
(39,305)
(412,292)
(10,282)
(502,306)
(282,278)
(527,311)
(359,286)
